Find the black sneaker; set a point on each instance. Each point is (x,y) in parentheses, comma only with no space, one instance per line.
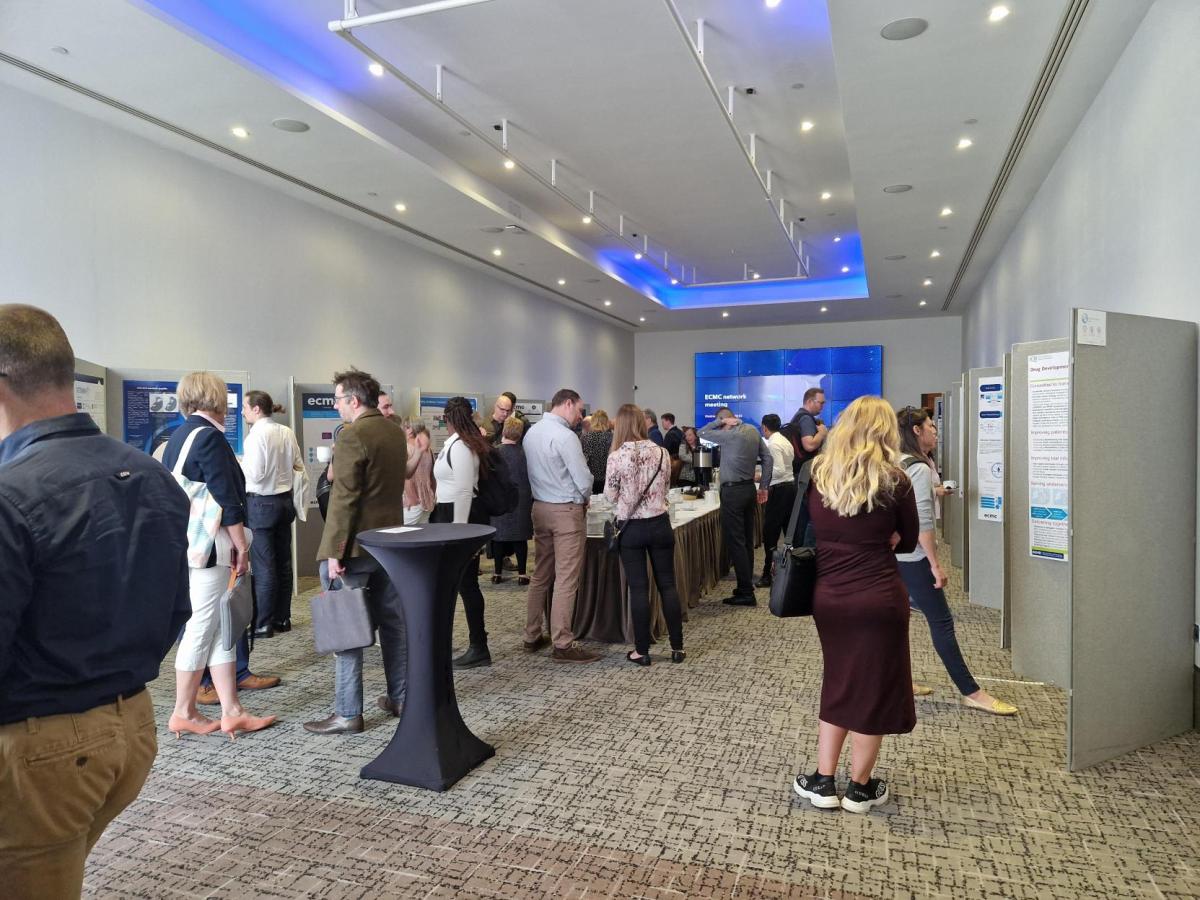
(819,790)
(860,798)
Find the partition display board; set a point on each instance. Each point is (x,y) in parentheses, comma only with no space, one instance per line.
(1006,593)
(1132,551)
(1038,588)
(1048,383)
(985,498)
(149,409)
(956,532)
(89,391)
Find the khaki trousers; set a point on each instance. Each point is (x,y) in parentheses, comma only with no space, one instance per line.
(62,780)
(559,540)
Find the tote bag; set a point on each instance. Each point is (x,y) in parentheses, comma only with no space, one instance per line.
(204,520)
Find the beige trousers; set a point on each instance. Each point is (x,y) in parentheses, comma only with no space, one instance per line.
(559,539)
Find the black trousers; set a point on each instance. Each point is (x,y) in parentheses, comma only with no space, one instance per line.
(501,549)
(468,585)
(780,500)
(654,538)
(270,518)
(737,525)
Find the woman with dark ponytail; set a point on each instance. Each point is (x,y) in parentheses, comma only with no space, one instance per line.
(272,459)
(465,459)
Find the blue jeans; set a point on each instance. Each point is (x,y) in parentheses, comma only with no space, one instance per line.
(270,518)
(931,603)
(365,571)
(243,663)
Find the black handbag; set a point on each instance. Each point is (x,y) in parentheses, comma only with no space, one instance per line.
(795,577)
(613,527)
(341,620)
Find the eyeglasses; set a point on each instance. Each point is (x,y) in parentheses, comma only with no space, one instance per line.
(337,399)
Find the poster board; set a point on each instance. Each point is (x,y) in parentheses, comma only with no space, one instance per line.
(145,410)
(985,497)
(430,406)
(90,391)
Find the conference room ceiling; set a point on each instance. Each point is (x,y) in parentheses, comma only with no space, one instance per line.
(614,93)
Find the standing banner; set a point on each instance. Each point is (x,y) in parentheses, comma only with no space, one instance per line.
(989,448)
(1049,460)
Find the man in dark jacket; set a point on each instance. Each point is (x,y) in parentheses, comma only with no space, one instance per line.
(81,628)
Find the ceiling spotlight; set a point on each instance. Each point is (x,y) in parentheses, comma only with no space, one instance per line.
(509,164)
(724,314)
(927,282)
(561,282)
(837,238)
(964,143)
(673,281)
(641,318)
(608,303)
(400,207)
(756,276)
(845,269)
(638,255)
(935,254)
(947,211)
(824,309)
(897,188)
(239,132)
(771,4)
(903,29)
(998,13)
(496,251)
(295,126)
(806,125)
(375,69)
(587,220)
(922,303)
(825,195)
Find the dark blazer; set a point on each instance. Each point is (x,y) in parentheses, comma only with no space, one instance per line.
(518,524)
(369,460)
(655,435)
(212,461)
(672,439)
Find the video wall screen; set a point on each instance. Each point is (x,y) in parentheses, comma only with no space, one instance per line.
(755,382)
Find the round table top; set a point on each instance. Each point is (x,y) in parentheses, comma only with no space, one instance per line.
(423,535)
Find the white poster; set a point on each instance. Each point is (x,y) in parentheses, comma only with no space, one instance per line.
(89,398)
(432,409)
(989,447)
(1049,463)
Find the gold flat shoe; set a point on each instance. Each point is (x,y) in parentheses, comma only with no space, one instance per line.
(921,690)
(996,707)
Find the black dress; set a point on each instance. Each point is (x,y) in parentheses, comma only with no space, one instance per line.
(860,607)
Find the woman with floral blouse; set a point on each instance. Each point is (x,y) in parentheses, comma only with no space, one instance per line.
(637,479)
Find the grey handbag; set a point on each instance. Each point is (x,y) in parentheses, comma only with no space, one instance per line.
(341,620)
(237,610)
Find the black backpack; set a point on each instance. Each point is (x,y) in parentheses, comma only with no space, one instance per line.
(497,494)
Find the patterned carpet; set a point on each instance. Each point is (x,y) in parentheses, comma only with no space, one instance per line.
(668,782)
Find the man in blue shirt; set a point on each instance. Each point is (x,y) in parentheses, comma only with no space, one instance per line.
(93,592)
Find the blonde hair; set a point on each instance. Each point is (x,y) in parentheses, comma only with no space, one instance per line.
(857,467)
(202,392)
(513,428)
(629,425)
(600,421)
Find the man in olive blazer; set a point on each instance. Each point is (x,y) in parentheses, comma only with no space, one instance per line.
(368,492)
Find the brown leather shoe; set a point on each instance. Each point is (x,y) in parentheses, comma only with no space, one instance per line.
(336,724)
(535,646)
(258,682)
(386,703)
(574,654)
(207,696)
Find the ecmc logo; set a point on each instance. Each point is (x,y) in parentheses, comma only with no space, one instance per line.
(318,401)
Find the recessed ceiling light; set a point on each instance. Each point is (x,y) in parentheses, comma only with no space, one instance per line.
(561,282)
(897,188)
(970,121)
(837,238)
(509,164)
(903,29)
(375,69)
(845,269)
(496,251)
(587,220)
(824,309)
(806,125)
(61,50)
(947,211)
(771,4)
(674,281)
(998,14)
(637,255)
(895,256)
(756,276)
(724,314)
(239,132)
(922,303)
(964,143)
(641,318)
(400,207)
(608,303)
(295,126)
(935,254)
(825,195)
(927,282)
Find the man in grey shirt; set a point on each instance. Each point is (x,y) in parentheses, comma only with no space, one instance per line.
(561,484)
(741,448)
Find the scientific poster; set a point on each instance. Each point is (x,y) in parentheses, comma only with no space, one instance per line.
(319,427)
(89,398)
(151,412)
(989,448)
(1049,462)
(431,408)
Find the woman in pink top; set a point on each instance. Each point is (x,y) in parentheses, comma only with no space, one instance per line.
(637,479)
(419,492)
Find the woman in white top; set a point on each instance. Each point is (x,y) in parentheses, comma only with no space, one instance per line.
(465,457)
(271,460)
(637,480)
(921,571)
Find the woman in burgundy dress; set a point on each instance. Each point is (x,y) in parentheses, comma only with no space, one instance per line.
(863,511)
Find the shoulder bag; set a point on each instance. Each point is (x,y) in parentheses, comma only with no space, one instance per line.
(204,519)
(613,527)
(795,576)
(341,620)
